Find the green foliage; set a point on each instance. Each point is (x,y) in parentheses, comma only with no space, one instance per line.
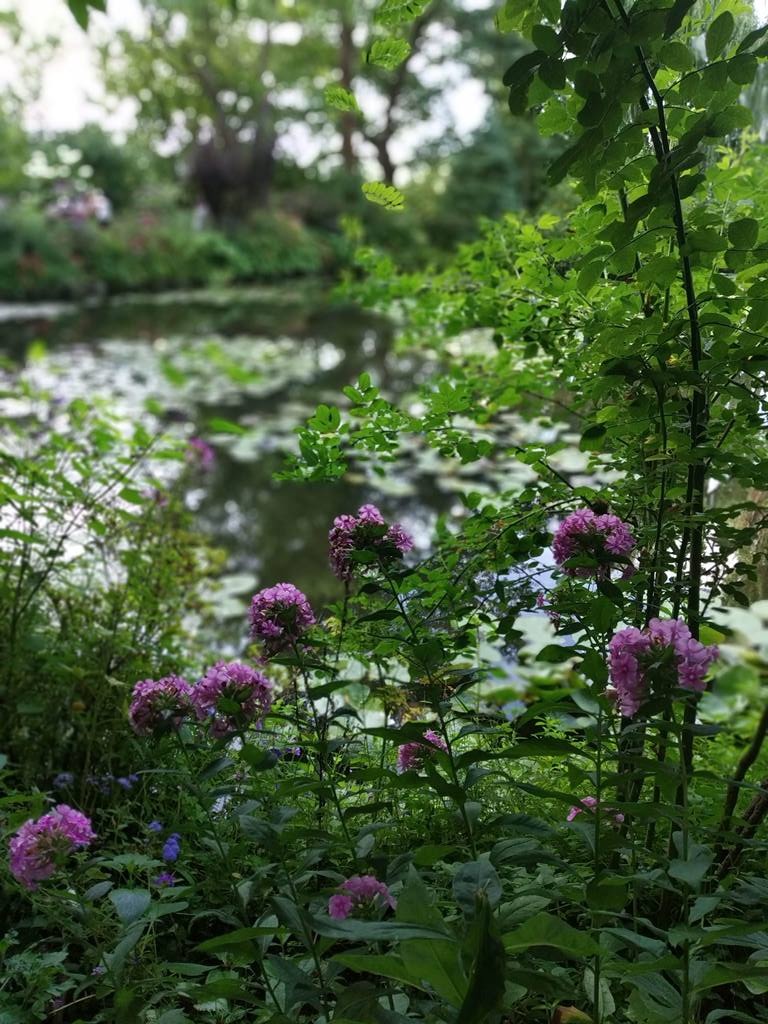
(96,578)
(384,195)
(43,258)
(628,332)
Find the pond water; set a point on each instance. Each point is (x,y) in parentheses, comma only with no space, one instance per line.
(263,358)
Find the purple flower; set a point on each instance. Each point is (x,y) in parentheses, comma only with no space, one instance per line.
(235,683)
(172,848)
(127,781)
(664,652)
(411,756)
(279,615)
(39,845)
(367,531)
(166,878)
(589,803)
(155,826)
(362,894)
(201,452)
(159,704)
(63,780)
(99,969)
(583,532)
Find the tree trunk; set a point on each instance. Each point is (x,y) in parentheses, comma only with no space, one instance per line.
(348,118)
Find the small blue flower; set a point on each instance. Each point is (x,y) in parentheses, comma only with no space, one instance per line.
(166,878)
(125,782)
(155,826)
(63,780)
(172,847)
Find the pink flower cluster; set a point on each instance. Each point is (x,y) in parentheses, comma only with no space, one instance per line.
(589,803)
(231,681)
(159,704)
(666,648)
(367,531)
(360,894)
(39,845)
(279,615)
(411,756)
(584,532)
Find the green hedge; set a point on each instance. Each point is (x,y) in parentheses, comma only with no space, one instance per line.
(42,259)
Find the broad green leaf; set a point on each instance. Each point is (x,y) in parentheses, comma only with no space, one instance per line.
(396,12)
(485,994)
(340,98)
(130,904)
(547,930)
(476,879)
(435,961)
(742,234)
(389,53)
(718,34)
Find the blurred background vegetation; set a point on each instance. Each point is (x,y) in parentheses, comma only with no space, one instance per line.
(236,163)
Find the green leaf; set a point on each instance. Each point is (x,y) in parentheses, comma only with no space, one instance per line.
(718,34)
(376,931)
(592,437)
(706,240)
(222,426)
(130,904)
(397,12)
(676,55)
(742,234)
(383,965)
(340,98)
(80,10)
(384,195)
(547,930)
(546,39)
(436,961)
(388,53)
(476,879)
(554,654)
(485,994)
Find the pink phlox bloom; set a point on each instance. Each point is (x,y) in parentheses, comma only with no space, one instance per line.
(411,756)
(279,615)
(38,845)
(159,704)
(585,532)
(635,654)
(353,533)
(340,906)
(236,682)
(361,892)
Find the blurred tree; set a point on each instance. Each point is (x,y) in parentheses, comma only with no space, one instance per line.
(227,80)
(122,170)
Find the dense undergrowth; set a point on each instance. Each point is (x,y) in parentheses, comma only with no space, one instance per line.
(42,259)
(403,807)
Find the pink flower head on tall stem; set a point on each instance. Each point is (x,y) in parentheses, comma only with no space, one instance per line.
(411,756)
(39,846)
(279,615)
(603,537)
(360,896)
(589,803)
(366,532)
(234,683)
(159,704)
(663,653)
